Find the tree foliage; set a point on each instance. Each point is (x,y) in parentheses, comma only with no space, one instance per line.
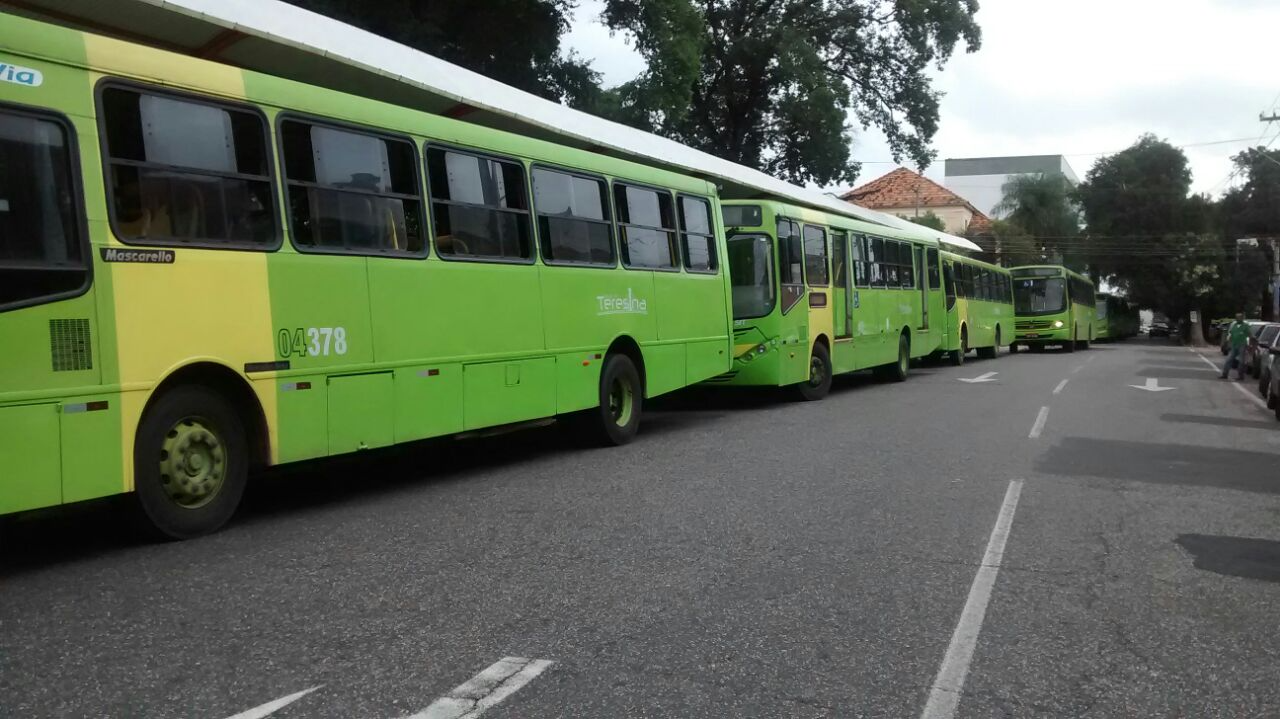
(1148,233)
(513,41)
(1042,206)
(929,219)
(771,84)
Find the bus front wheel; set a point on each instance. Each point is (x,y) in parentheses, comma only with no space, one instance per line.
(617,418)
(191,463)
(819,382)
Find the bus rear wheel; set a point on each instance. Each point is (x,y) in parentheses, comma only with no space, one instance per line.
(191,463)
(993,350)
(819,382)
(897,371)
(957,355)
(616,420)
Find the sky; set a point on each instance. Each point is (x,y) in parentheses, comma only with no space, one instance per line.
(1081,78)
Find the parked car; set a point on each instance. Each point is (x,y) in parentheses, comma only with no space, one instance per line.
(1272,395)
(1158,329)
(1268,371)
(1260,341)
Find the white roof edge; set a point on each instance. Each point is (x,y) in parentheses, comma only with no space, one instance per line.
(302,29)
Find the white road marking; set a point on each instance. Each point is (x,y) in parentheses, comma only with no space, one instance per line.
(944,695)
(1077,368)
(986,377)
(1061,386)
(1038,427)
(273,706)
(486,689)
(1152,385)
(1238,385)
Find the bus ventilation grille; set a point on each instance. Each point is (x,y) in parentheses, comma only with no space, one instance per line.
(69,344)
(726,377)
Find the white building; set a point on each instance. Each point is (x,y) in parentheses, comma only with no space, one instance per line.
(980,179)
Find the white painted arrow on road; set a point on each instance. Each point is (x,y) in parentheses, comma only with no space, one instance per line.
(988,377)
(1152,385)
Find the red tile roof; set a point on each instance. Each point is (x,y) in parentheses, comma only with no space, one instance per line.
(904,188)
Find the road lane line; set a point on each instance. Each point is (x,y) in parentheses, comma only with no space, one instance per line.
(1238,385)
(944,695)
(1038,427)
(1061,385)
(486,689)
(273,706)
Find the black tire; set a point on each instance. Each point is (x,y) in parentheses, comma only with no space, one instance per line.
(1264,386)
(993,351)
(616,419)
(1069,345)
(1013,348)
(175,498)
(1276,407)
(819,382)
(898,370)
(957,356)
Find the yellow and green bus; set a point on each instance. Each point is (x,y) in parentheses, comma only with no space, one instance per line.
(979,307)
(205,269)
(1053,306)
(816,294)
(1116,319)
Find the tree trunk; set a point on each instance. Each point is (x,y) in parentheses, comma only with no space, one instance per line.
(1196,329)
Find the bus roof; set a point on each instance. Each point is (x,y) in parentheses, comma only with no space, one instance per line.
(287,41)
(1057,268)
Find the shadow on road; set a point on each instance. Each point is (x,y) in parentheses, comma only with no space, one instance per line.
(1153,463)
(1220,421)
(31,541)
(1180,373)
(1234,556)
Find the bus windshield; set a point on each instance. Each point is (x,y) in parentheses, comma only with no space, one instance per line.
(1039,295)
(751,274)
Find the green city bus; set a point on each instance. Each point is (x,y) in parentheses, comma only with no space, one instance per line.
(1053,306)
(1116,319)
(817,294)
(205,269)
(979,307)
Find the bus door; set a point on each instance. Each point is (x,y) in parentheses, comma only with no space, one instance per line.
(922,279)
(842,297)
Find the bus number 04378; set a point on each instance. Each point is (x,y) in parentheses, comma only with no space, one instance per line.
(312,342)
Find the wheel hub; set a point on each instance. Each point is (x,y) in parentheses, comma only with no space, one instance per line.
(621,401)
(193,463)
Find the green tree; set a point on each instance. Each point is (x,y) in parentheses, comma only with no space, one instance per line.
(929,219)
(1009,245)
(514,41)
(1148,234)
(771,85)
(1042,206)
(1252,210)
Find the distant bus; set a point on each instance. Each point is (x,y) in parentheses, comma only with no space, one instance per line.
(979,307)
(817,294)
(1116,319)
(1053,306)
(205,269)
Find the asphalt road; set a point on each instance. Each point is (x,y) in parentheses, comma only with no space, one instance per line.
(747,556)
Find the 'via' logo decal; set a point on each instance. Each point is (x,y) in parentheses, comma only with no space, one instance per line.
(19,75)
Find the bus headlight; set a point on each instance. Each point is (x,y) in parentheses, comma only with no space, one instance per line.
(1057,324)
(760,349)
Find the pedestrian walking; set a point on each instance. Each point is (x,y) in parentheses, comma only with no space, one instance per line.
(1237,338)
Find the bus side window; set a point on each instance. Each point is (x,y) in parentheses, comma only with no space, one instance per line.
(839,259)
(697,239)
(351,191)
(187,172)
(791,250)
(861,265)
(949,283)
(574,223)
(479,206)
(42,245)
(877,259)
(646,227)
(815,256)
(907,260)
(934,281)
